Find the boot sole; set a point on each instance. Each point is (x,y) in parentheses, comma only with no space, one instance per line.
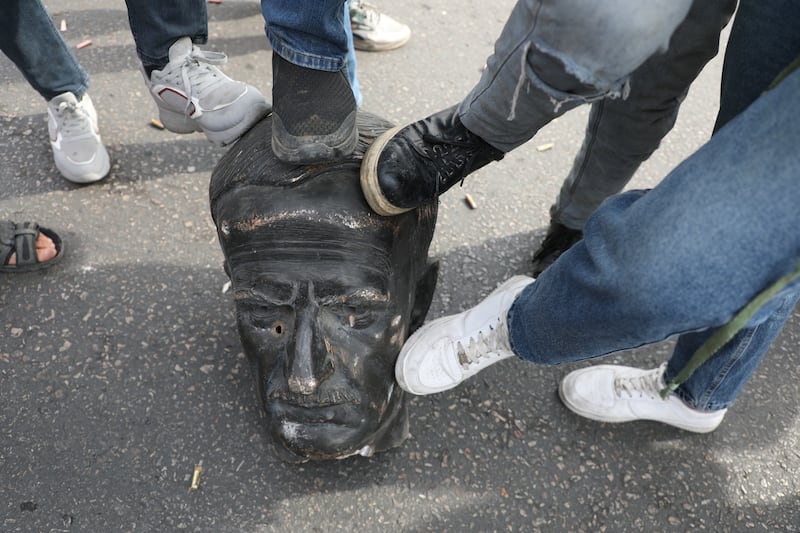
(369,177)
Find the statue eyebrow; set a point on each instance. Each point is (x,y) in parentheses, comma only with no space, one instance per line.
(367,295)
(253,294)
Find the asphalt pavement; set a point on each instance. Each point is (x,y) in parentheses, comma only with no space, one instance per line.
(121,369)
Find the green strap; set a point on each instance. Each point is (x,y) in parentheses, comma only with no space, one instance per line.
(729,330)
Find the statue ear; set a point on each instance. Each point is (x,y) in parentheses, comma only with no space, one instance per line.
(426,286)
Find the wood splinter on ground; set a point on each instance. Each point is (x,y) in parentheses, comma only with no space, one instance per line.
(156,124)
(470,202)
(84,44)
(198,470)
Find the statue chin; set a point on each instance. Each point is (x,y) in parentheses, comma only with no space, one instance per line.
(335,432)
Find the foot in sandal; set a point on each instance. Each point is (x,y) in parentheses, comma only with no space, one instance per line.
(25,247)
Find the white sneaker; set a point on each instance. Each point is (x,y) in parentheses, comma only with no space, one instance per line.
(78,151)
(374,31)
(194,95)
(613,393)
(446,351)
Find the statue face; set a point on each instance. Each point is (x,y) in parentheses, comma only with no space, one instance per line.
(326,293)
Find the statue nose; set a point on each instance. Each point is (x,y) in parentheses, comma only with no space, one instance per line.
(310,361)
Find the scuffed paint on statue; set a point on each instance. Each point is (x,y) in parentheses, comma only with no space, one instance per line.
(325,293)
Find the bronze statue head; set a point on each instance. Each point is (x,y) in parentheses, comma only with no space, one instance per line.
(326,292)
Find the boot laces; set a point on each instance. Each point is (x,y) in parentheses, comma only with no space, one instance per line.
(646,385)
(483,345)
(449,157)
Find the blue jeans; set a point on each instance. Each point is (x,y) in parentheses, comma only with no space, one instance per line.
(315,35)
(747,68)
(682,259)
(29,39)
(156,25)
(622,134)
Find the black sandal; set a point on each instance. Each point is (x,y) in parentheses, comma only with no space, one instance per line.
(21,238)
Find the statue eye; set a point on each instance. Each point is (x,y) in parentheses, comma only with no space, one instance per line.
(277,329)
(359,319)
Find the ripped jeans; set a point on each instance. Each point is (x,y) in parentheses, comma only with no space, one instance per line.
(622,134)
(554,55)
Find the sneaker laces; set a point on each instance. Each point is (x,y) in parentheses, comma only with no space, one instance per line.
(365,14)
(648,384)
(198,72)
(72,120)
(483,345)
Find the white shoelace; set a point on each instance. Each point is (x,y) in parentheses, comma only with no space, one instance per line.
(367,16)
(72,120)
(198,74)
(483,345)
(649,384)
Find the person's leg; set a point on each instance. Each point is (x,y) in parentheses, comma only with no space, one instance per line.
(307,33)
(191,93)
(29,39)
(622,134)
(552,56)
(314,106)
(351,67)
(680,259)
(748,68)
(156,26)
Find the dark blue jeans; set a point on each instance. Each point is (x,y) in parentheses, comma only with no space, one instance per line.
(29,39)
(156,25)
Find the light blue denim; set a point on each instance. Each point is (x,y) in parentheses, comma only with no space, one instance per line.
(313,34)
(156,25)
(29,39)
(682,259)
(622,134)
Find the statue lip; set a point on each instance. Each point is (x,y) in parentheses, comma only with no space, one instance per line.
(317,400)
(342,408)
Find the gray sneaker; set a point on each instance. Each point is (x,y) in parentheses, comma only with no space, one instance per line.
(192,94)
(78,151)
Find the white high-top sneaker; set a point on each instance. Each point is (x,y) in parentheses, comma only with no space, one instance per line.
(446,351)
(78,151)
(194,95)
(614,393)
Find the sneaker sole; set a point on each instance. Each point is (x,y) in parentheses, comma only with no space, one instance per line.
(369,177)
(309,149)
(366,45)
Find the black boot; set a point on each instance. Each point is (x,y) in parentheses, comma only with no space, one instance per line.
(558,240)
(407,167)
(314,114)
